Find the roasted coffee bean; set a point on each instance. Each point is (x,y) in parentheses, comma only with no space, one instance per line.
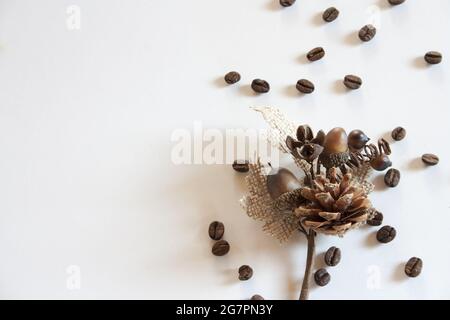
(377,220)
(330,14)
(220,248)
(433,57)
(216,230)
(322,277)
(413,267)
(367,33)
(333,256)
(396,2)
(245,273)
(256,297)
(305,86)
(232,77)
(398,134)
(430,159)
(384,146)
(386,234)
(315,54)
(287,3)
(260,86)
(352,82)
(392,178)
(241,166)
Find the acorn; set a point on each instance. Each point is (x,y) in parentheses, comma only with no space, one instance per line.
(280,181)
(335,152)
(357,140)
(381,162)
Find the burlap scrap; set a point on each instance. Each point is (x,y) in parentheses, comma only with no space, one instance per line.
(277,215)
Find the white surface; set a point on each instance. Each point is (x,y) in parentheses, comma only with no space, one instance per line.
(86,118)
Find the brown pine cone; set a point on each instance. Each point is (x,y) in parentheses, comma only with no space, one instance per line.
(334,205)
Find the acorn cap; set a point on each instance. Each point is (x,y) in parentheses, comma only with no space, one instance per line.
(334,160)
(280,181)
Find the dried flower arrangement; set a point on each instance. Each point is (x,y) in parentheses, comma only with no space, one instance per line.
(333,196)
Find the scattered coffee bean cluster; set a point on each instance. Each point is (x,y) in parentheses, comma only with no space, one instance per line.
(216,231)
(332,258)
(392,177)
(351,82)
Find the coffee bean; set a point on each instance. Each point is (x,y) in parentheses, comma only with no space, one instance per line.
(232,77)
(386,234)
(352,82)
(256,297)
(287,3)
(315,54)
(241,166)
(392,178)
(398,134)
(396,2)
(377,220)
(322,277)
(413,267)
(433,57)
(333,256)
(430,159)
(260,86)
(367,32)
(216,230)
(305,86)
(330,14)
(245,273)
(220,248)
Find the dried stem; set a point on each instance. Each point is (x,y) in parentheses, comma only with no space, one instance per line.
(313,176)
(309,265)
(302,229)
(318,167)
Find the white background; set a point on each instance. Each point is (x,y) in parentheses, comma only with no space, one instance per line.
(86,117)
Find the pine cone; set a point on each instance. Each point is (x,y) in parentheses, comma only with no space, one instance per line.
(334,205)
